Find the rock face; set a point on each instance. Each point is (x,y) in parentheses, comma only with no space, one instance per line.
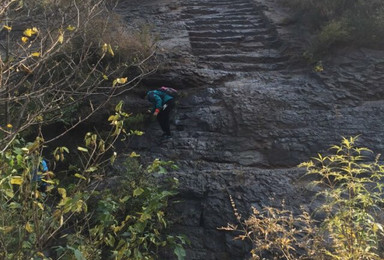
(250,111)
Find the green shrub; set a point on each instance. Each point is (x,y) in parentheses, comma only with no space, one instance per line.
(351,22)
(330,34)
(276,233)
(352,227)
(353,192)
(79,219)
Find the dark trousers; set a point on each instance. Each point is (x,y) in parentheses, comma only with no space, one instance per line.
(164,117)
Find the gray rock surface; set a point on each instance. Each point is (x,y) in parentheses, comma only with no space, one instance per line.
(251,110)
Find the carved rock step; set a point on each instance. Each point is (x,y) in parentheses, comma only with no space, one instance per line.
(247,67)
(248,19)
(246,46)
(225,12)
(225,33)
(221,22)
(223,26)
(226,50)
(236,39)
(205,4)
(234,55)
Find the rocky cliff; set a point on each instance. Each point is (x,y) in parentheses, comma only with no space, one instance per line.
(251,109)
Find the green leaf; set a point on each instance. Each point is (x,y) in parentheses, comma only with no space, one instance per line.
(79,255)
(14,205)
(91,169)
(119,106)
(138,192)
(179,252)
(9,193)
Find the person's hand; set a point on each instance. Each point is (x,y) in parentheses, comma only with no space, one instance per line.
(156,112)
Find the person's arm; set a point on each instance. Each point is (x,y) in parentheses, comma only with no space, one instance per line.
(157,105)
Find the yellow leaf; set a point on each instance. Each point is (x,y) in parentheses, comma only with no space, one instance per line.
(28,227)
(6,229)
(133,154)
(17,180)
(49,181)
(29,32)
(113,157)
(61,38)
(35,54)
(91,169)
(49,188)
(114,83)
(24,39)
(50,174)
(39,118)
(41,254)
(7,27)
(9,126)
(319,67)
(136,132)
(82,149)
(105,77)
(39,205)
(105,47)
(62,192)
(71,28)
(110,50)
(121,80)
(77,175)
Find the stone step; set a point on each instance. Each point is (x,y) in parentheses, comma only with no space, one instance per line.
(242,11)
(221,26)
(250,19)
(265,56)
(201,11)
(235,39)
(227,33)
(206,4)
(204,49)
(205,22)
(225,51)
(247,67)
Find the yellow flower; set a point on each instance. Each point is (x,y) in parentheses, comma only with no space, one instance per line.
(9,126)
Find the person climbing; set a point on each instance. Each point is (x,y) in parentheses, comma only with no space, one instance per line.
(38,176)
(163,104)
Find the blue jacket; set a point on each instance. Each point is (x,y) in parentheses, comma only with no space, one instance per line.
(158,99)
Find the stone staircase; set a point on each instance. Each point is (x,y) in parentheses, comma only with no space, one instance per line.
(232,36)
